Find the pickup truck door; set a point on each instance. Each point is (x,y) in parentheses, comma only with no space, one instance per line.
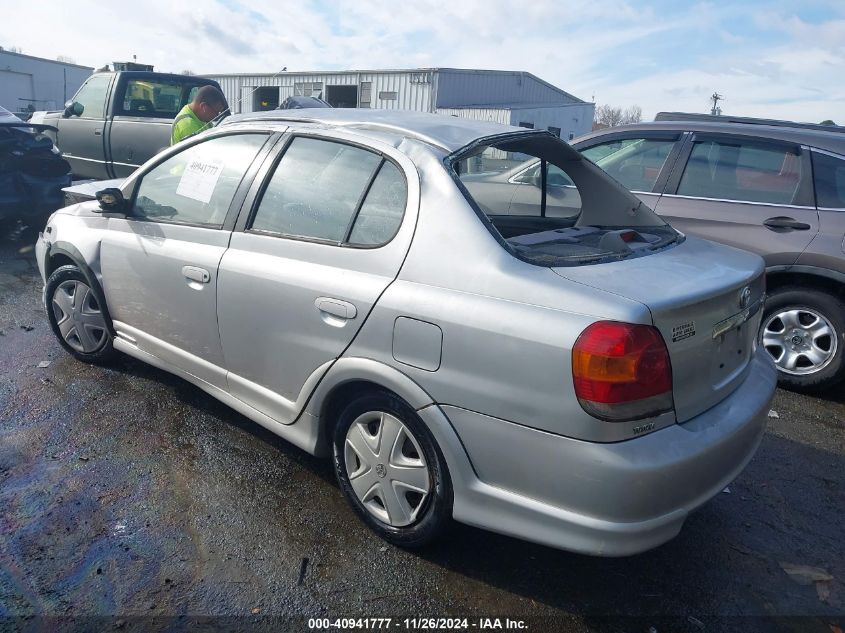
(159,263)
(81,139)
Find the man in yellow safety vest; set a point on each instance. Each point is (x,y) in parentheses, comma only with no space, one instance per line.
(197,115)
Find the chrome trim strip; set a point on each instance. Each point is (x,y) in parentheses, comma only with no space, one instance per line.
(114,162)
(827,153)
(764,204)
(738,319)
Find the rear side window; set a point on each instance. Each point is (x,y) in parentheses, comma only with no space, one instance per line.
(745,171)
(634,162)
(196,186)
(829,177)
(332,192)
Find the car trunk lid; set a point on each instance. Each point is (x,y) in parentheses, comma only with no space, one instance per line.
(705,299)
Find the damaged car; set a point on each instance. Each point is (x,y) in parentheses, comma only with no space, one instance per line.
(32,172)
(582,380)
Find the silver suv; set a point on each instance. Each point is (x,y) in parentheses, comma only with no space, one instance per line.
(776,188)
(581,380)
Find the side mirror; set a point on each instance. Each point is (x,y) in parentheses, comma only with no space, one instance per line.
(111,200)
(73,108)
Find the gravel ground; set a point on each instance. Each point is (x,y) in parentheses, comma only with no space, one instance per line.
(131,496)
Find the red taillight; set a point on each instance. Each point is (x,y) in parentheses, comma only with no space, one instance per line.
(622,371)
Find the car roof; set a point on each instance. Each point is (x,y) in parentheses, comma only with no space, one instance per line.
(832,141)
(447,132)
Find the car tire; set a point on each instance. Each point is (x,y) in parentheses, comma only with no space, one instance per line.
(392,447)
(78,316)
(804,332)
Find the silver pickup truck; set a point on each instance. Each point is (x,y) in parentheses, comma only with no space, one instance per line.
(117,121)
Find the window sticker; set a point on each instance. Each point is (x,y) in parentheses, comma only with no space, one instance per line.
(199,179)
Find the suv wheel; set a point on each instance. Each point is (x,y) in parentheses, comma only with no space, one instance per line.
(803,332)
(391,471)
(77,316)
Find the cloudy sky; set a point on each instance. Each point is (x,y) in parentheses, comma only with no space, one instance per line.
(780,59)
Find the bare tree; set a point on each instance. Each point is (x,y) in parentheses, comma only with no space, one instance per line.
(608,116)
(188,72)
(634,114)
(65,59)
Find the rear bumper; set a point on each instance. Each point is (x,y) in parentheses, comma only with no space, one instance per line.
(603,499)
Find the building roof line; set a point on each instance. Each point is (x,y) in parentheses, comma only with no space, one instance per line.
(44,59)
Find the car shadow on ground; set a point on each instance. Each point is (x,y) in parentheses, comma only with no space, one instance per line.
(785,508)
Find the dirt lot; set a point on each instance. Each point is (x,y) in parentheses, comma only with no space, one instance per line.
(131,496)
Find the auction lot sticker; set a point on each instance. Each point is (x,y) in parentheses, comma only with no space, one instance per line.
(199,179)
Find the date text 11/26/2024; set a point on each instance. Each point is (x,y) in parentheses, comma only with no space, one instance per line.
(416,624)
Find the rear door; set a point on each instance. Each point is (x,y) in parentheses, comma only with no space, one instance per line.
(640,161)
(746,192)
(159,264)
(81,138)
(315,247)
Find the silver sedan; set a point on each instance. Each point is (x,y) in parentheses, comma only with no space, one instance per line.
(582,379)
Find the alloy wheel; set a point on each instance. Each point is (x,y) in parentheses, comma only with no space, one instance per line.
(800,340)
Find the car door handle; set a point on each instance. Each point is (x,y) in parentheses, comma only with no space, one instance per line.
(195,273)
(782,223)
(336,307)
(98,132)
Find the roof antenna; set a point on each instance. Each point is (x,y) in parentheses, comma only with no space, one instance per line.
(716,110)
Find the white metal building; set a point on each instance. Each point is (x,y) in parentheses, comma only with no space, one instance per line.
(511,97)
(34,83)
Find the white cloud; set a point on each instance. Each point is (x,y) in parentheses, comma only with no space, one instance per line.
(783,66)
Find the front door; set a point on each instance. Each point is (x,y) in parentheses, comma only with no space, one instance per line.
(749,193)
(81,139)
(324,239)
(160,263)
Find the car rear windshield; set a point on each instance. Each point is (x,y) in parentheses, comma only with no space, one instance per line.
(550,206)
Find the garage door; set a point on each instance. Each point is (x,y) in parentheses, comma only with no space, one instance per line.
(15,90)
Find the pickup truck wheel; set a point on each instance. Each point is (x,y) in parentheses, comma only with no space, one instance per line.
(78,317)
(804,332)
(391,471)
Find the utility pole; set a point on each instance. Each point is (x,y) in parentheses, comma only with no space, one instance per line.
(716,110)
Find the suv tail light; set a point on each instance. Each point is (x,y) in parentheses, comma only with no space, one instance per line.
(622,371)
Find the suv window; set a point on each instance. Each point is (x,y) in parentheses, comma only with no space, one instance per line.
(318,190)
(196,186)
(92,97)
(742,170)
(154,98)
(634,162)
(829,177)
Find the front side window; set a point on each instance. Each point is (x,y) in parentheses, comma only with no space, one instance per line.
(196,186)
(829,177)
(742,170)
(92,97)
(155,98)
(635,162)
(327,191)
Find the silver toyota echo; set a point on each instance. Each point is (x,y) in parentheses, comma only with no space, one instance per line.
(530,351)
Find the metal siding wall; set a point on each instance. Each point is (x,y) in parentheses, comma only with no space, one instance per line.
(465,88)
(576,118)
(494,115)
(46,83)
(409,96)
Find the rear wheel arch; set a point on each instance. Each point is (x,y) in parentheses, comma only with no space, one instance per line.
(821,280)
